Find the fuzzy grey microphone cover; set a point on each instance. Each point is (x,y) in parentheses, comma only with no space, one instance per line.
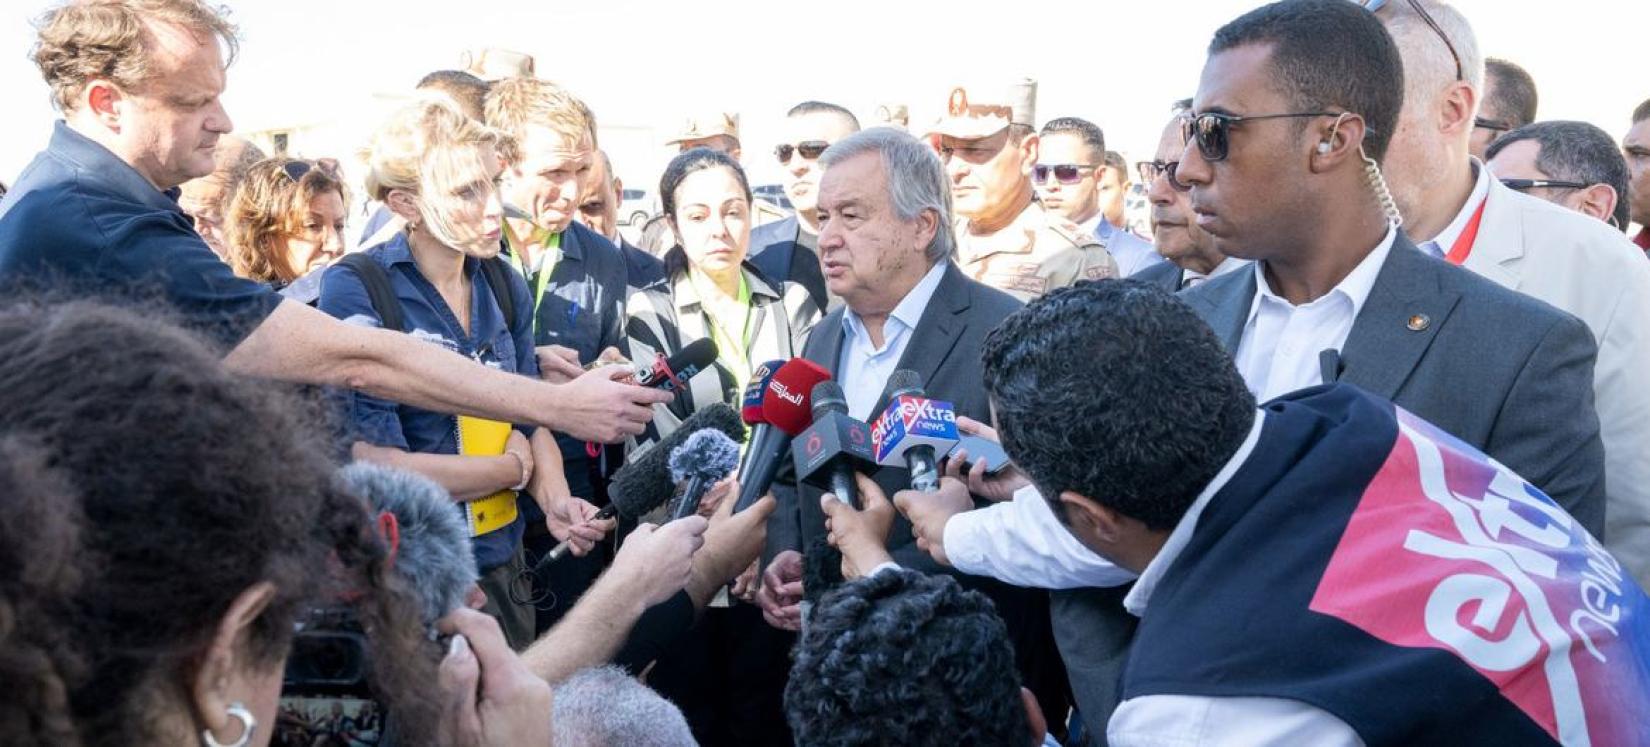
(434,555)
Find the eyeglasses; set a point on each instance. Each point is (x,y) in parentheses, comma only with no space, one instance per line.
(1213,130)
(1490,124)
(1065,173)
(1519,185)
(1375,5)
(809,149)
(1149,171)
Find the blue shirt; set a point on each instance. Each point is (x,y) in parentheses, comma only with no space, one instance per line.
(491,342)
(81,219)
(864,369)
(1132,253)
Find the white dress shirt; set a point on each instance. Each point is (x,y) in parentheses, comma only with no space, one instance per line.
(1020,542)
(1441,244)
(864,368)
(1281,341)
(1189,278)
(1196,720)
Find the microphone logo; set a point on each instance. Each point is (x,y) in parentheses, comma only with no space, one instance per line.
(814,445)
(783,392)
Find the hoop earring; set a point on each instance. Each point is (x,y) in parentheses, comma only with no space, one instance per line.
(248,724)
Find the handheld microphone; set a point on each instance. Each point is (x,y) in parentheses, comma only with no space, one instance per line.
(701,461)
(751,405)
(913,429)
(828,453)
(672,374)
(644,483)
(429,543)
(785,412)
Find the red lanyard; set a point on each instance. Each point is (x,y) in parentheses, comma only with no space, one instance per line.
(1469,235)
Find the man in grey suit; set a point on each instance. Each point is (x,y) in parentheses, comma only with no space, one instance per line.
(1190,251)
(886,243)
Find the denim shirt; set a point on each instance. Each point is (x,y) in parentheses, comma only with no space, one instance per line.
(492,342)
(82,220)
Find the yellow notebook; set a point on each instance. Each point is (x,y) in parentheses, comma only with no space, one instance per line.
(478,437)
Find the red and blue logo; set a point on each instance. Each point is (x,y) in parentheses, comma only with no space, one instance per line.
(1449,549)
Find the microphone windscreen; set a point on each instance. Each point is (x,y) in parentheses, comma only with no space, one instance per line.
(785,405)
(434,555)
(707,454)
(751,407)
(904,381)
(644,483)
(828,398)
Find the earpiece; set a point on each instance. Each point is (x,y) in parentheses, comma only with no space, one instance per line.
(1323,147)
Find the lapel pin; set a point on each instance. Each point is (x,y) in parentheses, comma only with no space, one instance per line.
(1419,322)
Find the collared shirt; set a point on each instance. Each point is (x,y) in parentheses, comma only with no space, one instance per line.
(864,368)
(492,341)
(1281,343)
(82,219)
(1131,252)
(1190,278)
(1441,244)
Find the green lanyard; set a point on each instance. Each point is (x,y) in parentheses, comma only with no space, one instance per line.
(732,350)
(541,280)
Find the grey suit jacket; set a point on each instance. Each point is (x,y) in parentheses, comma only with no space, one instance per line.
(1165,275)
(945,350)
(1500,370)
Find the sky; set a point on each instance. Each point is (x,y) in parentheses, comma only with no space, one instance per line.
(646,63)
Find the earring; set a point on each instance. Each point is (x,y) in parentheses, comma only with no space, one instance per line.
(248,723)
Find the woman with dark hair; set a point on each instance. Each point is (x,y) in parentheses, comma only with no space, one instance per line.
(729,679)
(711,291)
(285,221)
(166,524)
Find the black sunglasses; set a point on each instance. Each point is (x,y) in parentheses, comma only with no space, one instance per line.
(1065,173)
(1149,171)
(296,169)
(809,149)
(1375,5)
(1213,130)
(1490,124)
(1519,185)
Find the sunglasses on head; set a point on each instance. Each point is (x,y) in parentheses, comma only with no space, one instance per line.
(1213,130)
(808,149)
(296,169)
(1490,124)
(1149,171)
(1375,5)
(1520,185)
(1065,173)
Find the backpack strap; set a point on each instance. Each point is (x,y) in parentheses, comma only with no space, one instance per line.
(497,273)
(379,291)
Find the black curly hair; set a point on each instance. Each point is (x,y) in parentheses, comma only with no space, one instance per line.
(1117,391)
(908,659)
(188,485)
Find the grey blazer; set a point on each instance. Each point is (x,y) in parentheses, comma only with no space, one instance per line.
(1165,275)
(1498,369)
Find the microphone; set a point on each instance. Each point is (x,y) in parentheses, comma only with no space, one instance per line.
(751,405)
(429,542)
(828,453)
(644,483)
(785,414)
(701,461)
(672,374)
(913,429)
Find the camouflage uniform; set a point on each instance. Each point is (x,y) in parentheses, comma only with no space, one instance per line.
(1038,252)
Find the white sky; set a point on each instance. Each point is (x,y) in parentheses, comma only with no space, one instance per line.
(644,63)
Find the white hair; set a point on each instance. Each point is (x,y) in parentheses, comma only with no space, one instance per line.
(916,179)
(1428,67)
(604,707)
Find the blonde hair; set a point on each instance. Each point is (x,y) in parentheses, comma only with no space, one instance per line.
(269,207)
(426,148)
(515,103)
(111,39)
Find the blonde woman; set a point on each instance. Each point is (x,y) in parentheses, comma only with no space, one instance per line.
(285,220)
(441,280)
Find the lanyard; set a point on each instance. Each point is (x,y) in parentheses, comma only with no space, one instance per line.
(731,349)
(551,243)
(1469,235)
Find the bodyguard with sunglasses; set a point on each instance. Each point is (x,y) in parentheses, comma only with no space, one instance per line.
(1454,209)
(1071,168)
(1005,237)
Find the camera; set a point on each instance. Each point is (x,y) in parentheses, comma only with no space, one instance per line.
(326,695)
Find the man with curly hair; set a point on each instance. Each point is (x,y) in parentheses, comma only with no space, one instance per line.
(903,658)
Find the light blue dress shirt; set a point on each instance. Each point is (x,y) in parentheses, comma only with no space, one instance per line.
(864,368)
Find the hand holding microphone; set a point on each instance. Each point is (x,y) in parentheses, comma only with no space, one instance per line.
(928,513)
(914,430)
(861,535)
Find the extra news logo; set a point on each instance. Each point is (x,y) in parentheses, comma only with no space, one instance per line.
(1450,550)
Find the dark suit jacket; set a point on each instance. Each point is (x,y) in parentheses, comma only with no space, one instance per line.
(1165,275)
(1500,370)
(775,253)
(945,351)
